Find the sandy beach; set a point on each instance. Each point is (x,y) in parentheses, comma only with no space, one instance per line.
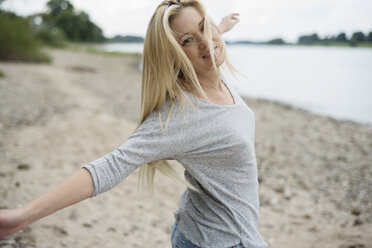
(314,172)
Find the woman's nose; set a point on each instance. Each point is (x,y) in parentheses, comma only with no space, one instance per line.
(203,42)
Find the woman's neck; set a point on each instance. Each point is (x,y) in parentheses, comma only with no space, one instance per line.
(210,81)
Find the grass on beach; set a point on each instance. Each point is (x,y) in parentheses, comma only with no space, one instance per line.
(90,48)
(97,51)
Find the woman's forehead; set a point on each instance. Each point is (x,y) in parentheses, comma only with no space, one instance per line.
(187,21)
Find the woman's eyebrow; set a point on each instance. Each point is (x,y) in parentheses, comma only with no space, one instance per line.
(202,21)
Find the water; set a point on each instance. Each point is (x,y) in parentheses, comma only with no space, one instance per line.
(122,47)
(331,81)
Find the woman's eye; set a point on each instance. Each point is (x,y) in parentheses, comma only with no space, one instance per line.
(187,41)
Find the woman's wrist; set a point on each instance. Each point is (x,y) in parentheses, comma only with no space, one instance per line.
(27,214)
(222,28)
(74,189)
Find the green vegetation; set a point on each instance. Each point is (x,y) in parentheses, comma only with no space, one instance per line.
(17,41)
(95,51)
(89,48)
(21,38)
(73,46)
(46,32)
(2,75)
(75,25)
(357,39)
(364,44)
(127,39)
(341,44)
(278,41)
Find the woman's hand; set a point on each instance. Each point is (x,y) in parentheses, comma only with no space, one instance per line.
(11,221)
(228,22)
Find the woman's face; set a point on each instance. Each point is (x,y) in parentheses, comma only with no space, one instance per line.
(188,28)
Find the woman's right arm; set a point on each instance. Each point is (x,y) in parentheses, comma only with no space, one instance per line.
(147,144)
(74,189)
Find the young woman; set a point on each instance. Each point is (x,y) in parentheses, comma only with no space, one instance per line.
(190,113)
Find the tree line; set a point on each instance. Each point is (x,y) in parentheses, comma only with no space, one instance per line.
(356,38)
(22,37)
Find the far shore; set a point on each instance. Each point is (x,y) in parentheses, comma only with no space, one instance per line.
(248,43)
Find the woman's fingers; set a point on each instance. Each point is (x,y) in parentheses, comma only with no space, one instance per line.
(7,232)
(10,222)
(235,16)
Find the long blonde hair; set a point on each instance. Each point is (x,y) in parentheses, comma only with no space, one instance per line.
(165,68)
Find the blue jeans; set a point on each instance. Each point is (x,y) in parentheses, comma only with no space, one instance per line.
(179,241)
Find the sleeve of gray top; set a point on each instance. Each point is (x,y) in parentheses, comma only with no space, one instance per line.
(146,144)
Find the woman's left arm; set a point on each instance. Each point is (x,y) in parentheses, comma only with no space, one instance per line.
(228,22)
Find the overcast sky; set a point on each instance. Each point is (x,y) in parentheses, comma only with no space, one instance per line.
(260,19)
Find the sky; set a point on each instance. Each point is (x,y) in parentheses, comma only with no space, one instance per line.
(260,20)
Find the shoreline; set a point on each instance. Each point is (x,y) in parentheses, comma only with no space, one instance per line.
(314,171)
(294,107)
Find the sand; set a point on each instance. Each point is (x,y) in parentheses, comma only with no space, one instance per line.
(314,172)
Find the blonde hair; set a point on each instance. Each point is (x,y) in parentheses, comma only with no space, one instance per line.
(165,68)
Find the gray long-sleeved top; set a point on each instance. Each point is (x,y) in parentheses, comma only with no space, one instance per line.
(216,148)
